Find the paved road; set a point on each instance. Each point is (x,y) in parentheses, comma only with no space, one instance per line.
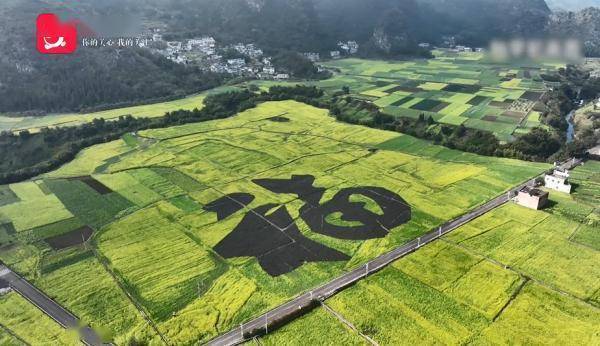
(304,301)
(63,317)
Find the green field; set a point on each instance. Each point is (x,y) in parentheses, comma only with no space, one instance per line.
(156,238)
(29,324)
(453,88)
(513,276)
(34,124)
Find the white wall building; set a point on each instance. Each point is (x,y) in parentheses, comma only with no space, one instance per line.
(558,180)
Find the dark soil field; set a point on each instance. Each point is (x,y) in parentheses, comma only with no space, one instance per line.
(395,212)
(4,284)
(402,101)
(96,185)
(532,95)
(76,237)
(501,105)
(229,205)
(279,119)
(460,88)
(301,185)
(477,100)
(274,238)
(430,105)
(275,241)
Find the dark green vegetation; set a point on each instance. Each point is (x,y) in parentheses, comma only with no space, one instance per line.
(102,78)
(31,154)
(27,155)
(538,145)
(90,79)
(382,27)
(583,24)
(575,86)
(522,103)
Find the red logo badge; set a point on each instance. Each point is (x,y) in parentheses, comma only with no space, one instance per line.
(54,37)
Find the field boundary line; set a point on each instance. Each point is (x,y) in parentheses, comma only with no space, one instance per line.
(341,318)
(137,305)
(13,334)
(512,297)
(303,301)
(520,273)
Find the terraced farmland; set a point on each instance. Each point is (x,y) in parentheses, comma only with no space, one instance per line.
(453,88)
(513,276)
(199,228)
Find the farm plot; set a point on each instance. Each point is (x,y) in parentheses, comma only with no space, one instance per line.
(30,324)
(31,207)
(202,226)
(529,282)
(147,239)
(544,244)
(454,89)
(77,280)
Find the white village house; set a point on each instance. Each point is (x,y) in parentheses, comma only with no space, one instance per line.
(558,180)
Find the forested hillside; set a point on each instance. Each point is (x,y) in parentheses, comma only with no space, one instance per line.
(387,29)
(90,77)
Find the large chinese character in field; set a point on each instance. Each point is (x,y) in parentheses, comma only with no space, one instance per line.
(270,234)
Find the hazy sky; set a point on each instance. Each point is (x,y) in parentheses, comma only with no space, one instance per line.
(572,4)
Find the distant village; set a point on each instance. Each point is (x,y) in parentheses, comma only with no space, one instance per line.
(206,53)
(250,61)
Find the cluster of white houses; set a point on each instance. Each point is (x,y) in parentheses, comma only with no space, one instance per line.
(451,46)
(346,49)
(204,52)
(535,198)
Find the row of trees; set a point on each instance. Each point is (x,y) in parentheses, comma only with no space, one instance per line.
(538,145)
(29,154)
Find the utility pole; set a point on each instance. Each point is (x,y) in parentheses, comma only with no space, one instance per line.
(267,323)
(440,231)
(419,242)
(242,330)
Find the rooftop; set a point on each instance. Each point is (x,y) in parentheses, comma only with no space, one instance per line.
(533,191)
